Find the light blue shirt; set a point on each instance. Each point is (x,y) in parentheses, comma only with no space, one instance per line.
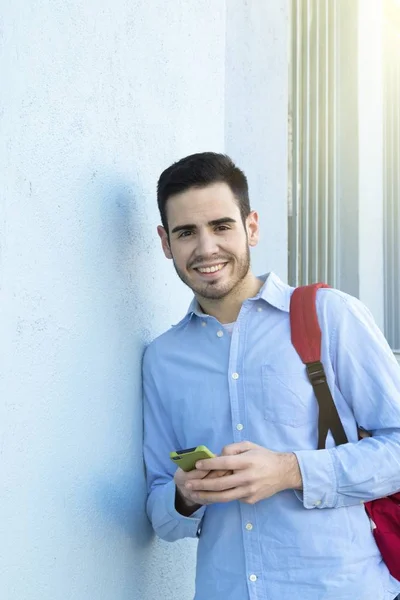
(203,386)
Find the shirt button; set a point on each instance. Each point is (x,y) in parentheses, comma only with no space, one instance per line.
(317,503)
(203,324)
(239,427)
(235,375)
(249,526)
(253,578)
(220,333)
(259,309)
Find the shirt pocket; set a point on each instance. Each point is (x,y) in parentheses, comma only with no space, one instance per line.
(288,397)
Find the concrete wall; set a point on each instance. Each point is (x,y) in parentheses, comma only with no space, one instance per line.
(97,98)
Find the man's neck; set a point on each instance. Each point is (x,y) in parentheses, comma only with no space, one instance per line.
(227,309)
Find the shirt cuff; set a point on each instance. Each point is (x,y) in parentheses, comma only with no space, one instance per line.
(191,524)
(319,479)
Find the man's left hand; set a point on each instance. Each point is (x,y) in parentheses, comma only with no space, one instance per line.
(256,473)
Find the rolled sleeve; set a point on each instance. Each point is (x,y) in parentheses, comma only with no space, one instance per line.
(367,376)
(319,479)
(190,524)
(167,522)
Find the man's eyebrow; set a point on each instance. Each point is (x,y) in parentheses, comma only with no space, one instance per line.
(183,228)
(221,221)
(214,223)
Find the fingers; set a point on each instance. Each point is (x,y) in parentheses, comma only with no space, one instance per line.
(195,474)
(214,474)
(223,463)
(238,448)
(183,476)
(181,479)
(219,463)
(239,493)
(216,484)
(232,450)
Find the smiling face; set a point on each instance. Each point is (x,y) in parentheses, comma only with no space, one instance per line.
(208,241)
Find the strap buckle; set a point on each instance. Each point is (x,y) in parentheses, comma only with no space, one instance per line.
(316,373)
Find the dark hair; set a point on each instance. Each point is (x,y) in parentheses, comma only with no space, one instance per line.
(199,171)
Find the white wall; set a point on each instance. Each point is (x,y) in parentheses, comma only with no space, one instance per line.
(256,117)
(360,184)
(370,162)
(97,98)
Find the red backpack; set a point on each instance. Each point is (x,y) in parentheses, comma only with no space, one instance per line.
(306,339)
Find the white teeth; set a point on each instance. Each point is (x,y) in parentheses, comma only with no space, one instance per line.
(210,269)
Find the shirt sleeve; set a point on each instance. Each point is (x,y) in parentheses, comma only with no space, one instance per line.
(368,377)
(159,441)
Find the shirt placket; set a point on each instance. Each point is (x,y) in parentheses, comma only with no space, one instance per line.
(251,540)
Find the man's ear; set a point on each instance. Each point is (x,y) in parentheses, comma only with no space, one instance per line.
(252,228)
(164,241)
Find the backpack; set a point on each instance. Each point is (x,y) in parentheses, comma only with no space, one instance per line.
(306,339)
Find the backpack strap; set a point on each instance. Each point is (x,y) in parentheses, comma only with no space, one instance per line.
(306,339)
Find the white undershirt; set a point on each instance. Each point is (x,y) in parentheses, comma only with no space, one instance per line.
(229,327)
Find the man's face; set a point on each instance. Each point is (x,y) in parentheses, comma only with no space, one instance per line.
(208,241)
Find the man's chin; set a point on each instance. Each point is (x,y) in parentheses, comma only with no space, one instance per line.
(213,291)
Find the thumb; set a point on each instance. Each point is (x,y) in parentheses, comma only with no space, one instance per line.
(238,448)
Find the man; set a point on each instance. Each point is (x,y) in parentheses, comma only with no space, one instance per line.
(276,518)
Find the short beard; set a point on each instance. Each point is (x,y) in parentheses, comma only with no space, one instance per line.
(211,291)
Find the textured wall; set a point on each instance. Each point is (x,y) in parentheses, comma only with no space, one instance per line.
(97,98)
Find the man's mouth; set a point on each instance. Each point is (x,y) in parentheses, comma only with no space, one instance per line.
(210,269)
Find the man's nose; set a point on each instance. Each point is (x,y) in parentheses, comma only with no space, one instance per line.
(207,244)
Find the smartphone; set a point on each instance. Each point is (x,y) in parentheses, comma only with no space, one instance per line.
(187,459)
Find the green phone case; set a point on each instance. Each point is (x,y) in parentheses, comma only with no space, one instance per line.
(187,459)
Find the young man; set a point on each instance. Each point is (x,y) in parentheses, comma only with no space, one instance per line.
(276,518)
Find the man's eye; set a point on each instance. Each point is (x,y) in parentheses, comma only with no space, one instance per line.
(222,228)
(185,233)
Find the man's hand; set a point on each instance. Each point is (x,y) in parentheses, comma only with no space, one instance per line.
(185,503)
(256,473)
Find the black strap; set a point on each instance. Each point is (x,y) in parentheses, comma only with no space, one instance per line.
(328,414)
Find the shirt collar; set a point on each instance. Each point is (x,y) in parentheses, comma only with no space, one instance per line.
(274,292)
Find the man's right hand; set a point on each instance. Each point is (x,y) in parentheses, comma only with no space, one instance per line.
(184,502)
